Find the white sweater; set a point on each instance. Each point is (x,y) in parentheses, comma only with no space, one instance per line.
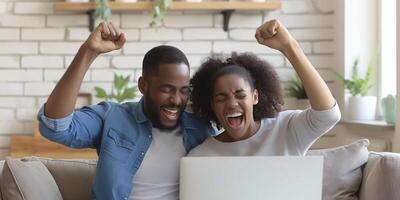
(291,133)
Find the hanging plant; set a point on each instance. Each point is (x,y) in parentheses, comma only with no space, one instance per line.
(160,8)
(102,10)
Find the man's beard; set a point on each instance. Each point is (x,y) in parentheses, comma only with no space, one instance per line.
(153,114)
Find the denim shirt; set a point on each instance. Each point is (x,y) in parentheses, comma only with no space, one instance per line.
(121,134)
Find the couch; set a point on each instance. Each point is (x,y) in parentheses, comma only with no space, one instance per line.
(375,178)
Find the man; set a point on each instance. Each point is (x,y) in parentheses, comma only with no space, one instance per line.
(139,144)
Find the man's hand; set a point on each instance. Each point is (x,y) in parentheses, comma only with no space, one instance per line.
(105,38)
(274,35)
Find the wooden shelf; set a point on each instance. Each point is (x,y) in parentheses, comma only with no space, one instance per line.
(179,5)
(226,7)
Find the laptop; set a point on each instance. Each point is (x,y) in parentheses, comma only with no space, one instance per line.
(251,178)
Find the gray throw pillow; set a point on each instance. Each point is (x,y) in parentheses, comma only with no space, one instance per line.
(381,179)
(73,177)
(27,181)
(343,170)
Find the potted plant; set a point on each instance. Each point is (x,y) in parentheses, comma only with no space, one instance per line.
(360,106)
(160,8)
(120,92)
(297,91)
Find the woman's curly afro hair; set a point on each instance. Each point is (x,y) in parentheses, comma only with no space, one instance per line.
(265,80)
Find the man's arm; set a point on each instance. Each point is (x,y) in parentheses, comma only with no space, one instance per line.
(61,102)
(276,36)
(82,128)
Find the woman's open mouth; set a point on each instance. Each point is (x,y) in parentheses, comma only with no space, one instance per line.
(235,120)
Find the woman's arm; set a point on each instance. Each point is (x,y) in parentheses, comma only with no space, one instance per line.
(276,36)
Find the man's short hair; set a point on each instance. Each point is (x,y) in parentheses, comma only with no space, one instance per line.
(162,54)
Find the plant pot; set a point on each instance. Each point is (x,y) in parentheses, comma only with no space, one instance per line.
(388,105)
(302,104)
(362,108)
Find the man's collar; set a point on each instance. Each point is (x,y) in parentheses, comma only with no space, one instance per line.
(138,112)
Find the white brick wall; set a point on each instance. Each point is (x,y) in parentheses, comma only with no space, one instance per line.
(55,75)
(7,114)
(21,48)
(67,20)
(9,61)
(192,47)
(11,89)
(78,34)
(69,48)
(22,21)
(42,62)
(127,62)
(227,47)
(17,102)
(135,20)
(9,34)
(305,21)
(43,34)
(161,34)
(20,75)
(131,34)
(324,47)
(139,48)
(38,89)
(101,61)
(26,114)
(175,21)
(38,44)
(204,34)
(296,7)
(9,127)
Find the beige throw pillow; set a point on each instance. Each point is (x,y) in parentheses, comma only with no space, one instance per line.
(73,177)
(27,181)
(343,170)
(381,179)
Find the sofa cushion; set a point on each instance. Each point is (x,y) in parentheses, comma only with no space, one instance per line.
(381,177)
(1,169)
(27,181)
(343,169)
(74,177)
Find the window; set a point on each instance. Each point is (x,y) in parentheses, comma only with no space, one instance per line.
(387,25)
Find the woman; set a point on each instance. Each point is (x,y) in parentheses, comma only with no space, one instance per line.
(243,96)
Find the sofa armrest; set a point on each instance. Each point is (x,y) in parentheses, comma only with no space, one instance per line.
(381,177)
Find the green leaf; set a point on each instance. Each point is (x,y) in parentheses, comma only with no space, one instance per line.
(118,82)
(101,93)
(107,14)
(296,88)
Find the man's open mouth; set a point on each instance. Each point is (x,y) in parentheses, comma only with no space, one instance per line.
(170,113)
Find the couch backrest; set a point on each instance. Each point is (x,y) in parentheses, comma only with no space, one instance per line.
(1,169)
(74,178)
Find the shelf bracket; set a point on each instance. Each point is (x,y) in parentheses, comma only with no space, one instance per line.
(226,17)
(91,19)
